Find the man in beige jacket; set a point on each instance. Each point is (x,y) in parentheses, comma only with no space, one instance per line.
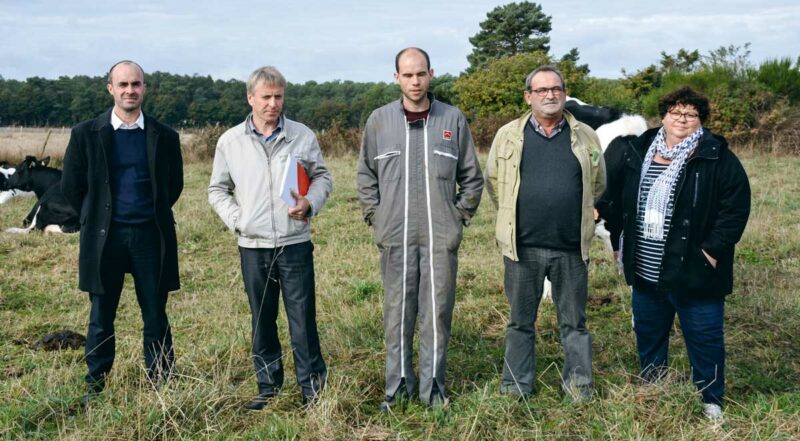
(544,173)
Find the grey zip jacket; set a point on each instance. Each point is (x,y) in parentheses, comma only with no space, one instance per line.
(418,184)
(246,181)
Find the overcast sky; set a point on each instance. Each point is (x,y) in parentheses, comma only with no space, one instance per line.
(357,39)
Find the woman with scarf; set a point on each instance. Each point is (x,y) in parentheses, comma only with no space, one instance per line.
(680,199)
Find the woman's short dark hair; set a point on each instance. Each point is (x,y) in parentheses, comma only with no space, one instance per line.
(686,96)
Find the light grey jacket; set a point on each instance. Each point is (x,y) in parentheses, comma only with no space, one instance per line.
(246,181)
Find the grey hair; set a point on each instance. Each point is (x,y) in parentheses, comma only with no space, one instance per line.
(545,68)
(266,74)
(129,62)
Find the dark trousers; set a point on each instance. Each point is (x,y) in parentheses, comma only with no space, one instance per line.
(524,281)
(701,321)
(134,249)
(267,273)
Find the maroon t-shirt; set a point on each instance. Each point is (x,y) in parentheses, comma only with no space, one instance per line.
(415,116)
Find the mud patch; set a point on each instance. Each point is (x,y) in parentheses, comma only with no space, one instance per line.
(65,339)
(598,302)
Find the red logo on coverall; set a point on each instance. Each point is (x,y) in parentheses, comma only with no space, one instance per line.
(447,135)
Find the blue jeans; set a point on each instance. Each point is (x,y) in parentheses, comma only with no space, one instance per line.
(701,321)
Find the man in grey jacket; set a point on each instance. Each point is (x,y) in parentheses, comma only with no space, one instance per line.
(419,182)
(274,238)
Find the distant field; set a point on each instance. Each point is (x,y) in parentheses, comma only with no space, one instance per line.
(17,142)
(39,390)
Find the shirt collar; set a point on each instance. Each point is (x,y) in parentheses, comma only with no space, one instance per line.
(538,127)
(274,133)
(117,123)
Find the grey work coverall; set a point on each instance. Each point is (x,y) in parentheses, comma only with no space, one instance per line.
(418,184)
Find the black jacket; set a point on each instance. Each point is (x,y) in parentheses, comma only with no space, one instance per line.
(85,183)
(712,204)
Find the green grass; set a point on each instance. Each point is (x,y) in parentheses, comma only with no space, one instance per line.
(39,390)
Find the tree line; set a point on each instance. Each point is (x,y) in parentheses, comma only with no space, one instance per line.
(193,100)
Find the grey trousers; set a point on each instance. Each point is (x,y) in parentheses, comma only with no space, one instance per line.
(523,285)
(428,294)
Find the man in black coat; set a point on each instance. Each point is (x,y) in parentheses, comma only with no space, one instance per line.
(122,173)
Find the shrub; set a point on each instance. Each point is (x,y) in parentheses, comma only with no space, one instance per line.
(497,88)
(484,129)
(781,78)
(203,143)
(338,140)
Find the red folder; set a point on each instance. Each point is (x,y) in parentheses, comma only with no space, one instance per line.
(303,181)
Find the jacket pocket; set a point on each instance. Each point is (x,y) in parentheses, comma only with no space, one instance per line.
(700,275)
(455,232)
(388,164)
(446,159)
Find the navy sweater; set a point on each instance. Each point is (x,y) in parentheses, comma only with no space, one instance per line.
(131,190)
(550,192)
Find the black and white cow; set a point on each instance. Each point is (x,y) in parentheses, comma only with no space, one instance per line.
(6,194)
(609,124)
(51,213)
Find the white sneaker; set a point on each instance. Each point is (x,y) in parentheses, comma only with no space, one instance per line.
(712,412)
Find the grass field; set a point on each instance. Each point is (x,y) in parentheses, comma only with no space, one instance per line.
(39,390)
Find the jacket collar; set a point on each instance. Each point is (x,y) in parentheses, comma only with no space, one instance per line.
(104,120)
(401,109)
(288,130)
(709,147)
(519,124)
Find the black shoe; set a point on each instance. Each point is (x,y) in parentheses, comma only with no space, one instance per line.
(311,396)
(260,401)
(310,400)
(398,400)
(387,404)
(438,399)
(92,393)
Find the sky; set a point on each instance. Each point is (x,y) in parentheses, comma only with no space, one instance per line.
(356,40)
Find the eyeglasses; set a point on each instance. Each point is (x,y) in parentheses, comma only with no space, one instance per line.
(542,91)
(675,115)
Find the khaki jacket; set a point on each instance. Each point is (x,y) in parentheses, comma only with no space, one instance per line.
(503,180)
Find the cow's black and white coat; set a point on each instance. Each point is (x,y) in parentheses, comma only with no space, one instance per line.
(52,212)
(5,193)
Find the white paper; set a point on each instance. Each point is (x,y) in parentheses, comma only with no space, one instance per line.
(289,181)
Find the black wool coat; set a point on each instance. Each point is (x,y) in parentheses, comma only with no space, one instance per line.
(712,205)
(85,183)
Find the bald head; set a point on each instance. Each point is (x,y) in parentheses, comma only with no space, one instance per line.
(411,51)
(110,78)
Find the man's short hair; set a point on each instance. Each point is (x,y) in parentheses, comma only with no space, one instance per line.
(400,54)
(110,71)
(686,96)
(267,74)
(545,68)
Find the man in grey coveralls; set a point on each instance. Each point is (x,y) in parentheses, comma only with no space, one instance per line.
(419,182)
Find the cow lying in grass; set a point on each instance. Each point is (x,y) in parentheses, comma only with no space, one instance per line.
(51,213)
(6,194)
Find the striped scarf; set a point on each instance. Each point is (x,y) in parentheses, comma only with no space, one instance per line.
(657,206)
